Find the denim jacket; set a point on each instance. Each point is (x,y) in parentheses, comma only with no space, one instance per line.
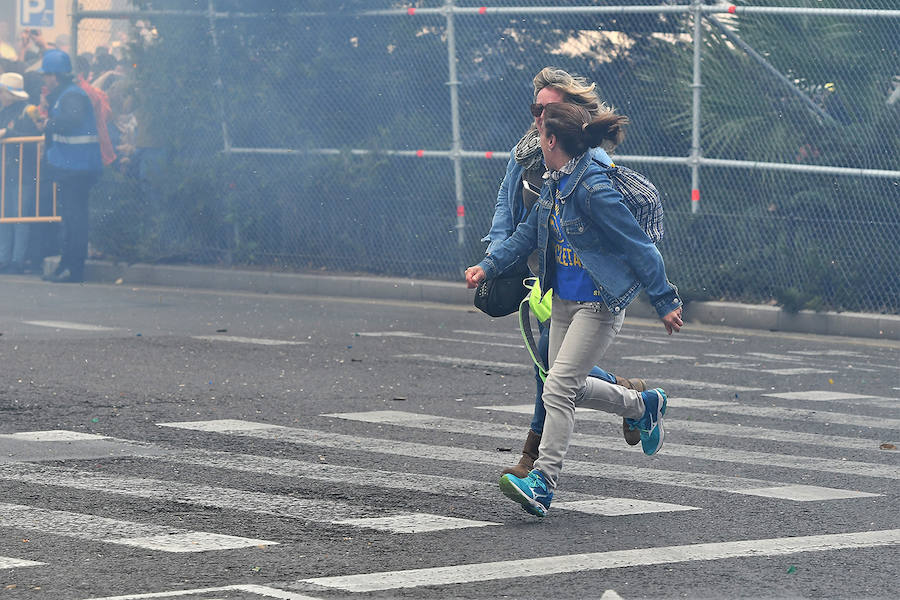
(612,247)
(509,206)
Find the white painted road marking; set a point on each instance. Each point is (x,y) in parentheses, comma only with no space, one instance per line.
(467,362)
(247,340)
(597,561)
(15,563)
(788,414)
(659,359)
(53,435)
(614,507)
(315,510)
(723,429)
(806,463)
(829,396)
(431,338)
(258,590)
(112,531)
(706,385)
(722,483)
(420,482)
(413,523)
(68,325)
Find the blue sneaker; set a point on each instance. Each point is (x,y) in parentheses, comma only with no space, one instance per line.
(651,424)
(532,493)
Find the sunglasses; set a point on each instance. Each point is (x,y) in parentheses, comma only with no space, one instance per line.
(537,110)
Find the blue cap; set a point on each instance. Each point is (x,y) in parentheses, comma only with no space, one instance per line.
(55,62)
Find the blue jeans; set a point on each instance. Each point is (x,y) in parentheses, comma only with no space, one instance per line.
(540,413)
(14,236)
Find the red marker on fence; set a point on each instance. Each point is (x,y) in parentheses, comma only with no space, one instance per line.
(420,153)
(410,11)
(482,10)
(695,195)
(489,154)
(732,9)
(460,211)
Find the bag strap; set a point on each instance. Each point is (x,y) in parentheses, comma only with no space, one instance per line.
(528,333)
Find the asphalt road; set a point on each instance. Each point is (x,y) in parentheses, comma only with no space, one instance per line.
(169,443)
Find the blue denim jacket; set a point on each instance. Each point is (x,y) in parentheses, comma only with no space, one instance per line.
(612,247)
(509,206)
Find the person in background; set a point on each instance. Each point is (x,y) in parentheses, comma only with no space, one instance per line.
(72,151)
(100,104)
(31,46)
(517,194)
(594,255)
(123,126)
(15,121)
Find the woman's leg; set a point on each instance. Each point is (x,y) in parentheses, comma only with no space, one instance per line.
(543,345)
(579,336)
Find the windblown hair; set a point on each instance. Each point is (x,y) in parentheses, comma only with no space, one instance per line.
(577,130)
(575,89)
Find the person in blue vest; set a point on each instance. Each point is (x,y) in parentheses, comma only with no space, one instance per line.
(72,156)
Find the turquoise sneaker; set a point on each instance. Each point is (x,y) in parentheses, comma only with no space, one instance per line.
(651,424)
(532,492)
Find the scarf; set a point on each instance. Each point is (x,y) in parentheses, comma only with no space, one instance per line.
(566,169)
(528,150)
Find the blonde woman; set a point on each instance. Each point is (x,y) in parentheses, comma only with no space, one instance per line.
(596,258)
(518,192)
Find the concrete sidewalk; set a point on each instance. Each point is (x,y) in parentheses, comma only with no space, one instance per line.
(885,327)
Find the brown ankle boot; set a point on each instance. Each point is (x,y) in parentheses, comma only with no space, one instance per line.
(632,436)
(529,455)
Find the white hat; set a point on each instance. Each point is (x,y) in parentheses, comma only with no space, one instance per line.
(14,84)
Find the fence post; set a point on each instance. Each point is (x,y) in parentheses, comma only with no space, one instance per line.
(220,102)
(456,147)
(696,6)
(73,36)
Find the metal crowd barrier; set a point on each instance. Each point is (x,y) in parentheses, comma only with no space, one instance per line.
(38,141)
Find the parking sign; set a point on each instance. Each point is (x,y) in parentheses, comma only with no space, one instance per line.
(36,13)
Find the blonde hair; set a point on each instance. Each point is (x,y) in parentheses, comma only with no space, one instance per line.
(576,90)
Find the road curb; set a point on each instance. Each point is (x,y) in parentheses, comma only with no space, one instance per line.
(747,316)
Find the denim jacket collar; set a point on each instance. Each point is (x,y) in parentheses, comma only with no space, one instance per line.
(580,167)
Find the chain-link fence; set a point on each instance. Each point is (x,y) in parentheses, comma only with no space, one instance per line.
(371,136)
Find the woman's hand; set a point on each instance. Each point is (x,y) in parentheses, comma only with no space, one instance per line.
(474,276)
(673,321)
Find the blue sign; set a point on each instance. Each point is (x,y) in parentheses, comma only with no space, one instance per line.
(36,13)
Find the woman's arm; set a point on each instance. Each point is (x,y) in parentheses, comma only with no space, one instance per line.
(503,223)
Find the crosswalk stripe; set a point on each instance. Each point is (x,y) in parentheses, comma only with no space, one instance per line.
(704,385)
(788,414)
(112,531)
(68,325)
(828,396)
(597,561)
(431,338)
(247,340)
(808,463)
(660,359)
(466,362)
(722,483)
(817,395)
(724,429)
(53,435)
(14,563)
(256,590)
(614,507)
(419,482)
(326,511)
